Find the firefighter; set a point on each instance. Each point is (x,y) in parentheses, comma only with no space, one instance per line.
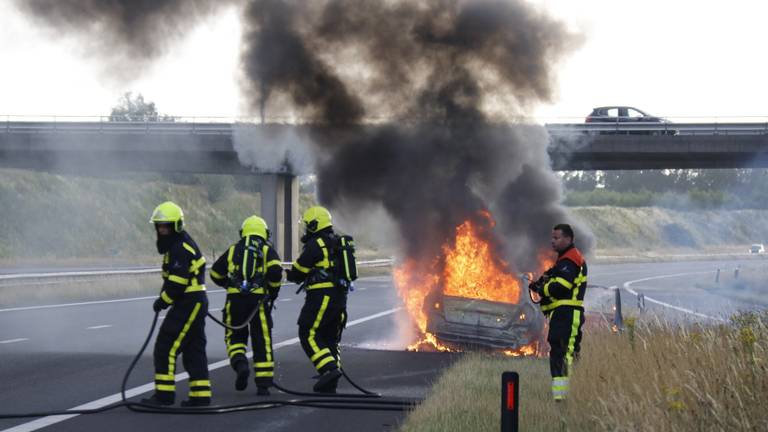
(250,271)
(183,329)
(562,289)
(323,316)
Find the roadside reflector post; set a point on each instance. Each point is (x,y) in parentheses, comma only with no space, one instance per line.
(618,318)
(510,399)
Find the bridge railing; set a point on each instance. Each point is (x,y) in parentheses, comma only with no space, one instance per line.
(753,128)
(735,125)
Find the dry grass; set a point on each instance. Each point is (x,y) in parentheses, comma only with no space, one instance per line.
(652,377)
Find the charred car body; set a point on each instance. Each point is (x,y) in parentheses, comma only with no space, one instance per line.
(472,323)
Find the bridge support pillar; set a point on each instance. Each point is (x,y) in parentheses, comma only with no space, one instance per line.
(280,209)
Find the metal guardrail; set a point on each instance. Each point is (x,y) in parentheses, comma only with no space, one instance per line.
(556,129)
(222,125)
(22,276)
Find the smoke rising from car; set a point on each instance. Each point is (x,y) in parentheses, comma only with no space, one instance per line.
(449,78)
(415,106)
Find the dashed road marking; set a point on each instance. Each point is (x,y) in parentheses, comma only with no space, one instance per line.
(9,341)
(99,327)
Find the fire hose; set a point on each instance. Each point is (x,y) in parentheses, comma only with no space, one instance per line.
(366,401)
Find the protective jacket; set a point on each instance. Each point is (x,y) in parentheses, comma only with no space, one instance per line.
(563,302)
(566,282)
(323,316)
(251,273)
(183,329)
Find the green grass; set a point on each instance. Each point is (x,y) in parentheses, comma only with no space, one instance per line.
(53,217)
(620,230)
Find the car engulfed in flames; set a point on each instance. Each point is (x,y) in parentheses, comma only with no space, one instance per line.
(468,298)
(464,323)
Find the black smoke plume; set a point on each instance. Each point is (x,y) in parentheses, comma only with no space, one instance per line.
(127,33)
(448,77)
(415,103)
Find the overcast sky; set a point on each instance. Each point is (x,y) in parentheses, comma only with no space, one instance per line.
(681,58)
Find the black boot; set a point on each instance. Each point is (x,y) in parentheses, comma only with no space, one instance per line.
(158,401)
(327,381)
(196,402)
(241,382)
(262,391)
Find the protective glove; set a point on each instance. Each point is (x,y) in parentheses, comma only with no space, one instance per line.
(159,305)
(535,286)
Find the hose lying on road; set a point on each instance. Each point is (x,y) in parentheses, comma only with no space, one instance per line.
(365,393)
(365,401)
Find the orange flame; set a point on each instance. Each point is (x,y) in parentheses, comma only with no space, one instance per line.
(472,271)
(469,268)
(527,350)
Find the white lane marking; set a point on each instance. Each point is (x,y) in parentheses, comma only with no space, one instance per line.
(99,403)
(667,305)
(75,304)
(13,340)
(284,300)
(95,302)
(26,308)
(99,327)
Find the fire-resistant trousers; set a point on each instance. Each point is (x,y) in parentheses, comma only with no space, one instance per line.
(564,339)
(321,322)
(183,332)
(236,310)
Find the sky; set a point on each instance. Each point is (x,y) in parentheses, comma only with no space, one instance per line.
(678,59)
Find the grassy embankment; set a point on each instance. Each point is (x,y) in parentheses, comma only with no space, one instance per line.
(653,232)
(652,377)
(84,220)
(63,220)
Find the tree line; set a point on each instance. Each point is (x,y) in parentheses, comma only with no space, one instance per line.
(677,189)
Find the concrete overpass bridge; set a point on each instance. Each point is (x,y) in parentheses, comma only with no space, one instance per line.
(210,147)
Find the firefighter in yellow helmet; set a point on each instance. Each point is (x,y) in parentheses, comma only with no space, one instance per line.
(250,271)
(183,329)
(324,314)
(562,290)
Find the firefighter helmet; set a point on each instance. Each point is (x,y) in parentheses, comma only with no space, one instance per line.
(316,218)
(254,225)
(170,213)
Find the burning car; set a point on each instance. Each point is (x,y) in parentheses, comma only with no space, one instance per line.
(469,298)
(475,323)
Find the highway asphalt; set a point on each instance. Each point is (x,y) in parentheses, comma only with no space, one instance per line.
(57,357)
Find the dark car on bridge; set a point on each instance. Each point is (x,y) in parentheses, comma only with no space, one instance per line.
(466,323)
(629,116)
(613,114)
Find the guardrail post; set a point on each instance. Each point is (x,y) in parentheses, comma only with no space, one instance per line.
(510,398)
(618,318)
(736,272)
(641,302)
